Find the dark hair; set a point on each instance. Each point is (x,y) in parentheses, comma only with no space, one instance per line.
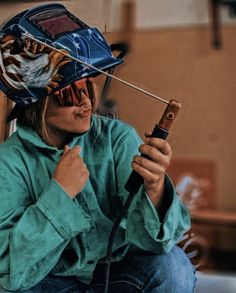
(32,114)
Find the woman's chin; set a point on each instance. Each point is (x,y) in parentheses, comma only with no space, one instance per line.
(82,128)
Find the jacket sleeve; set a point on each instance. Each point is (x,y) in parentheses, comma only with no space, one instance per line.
(33,235)
(147,227)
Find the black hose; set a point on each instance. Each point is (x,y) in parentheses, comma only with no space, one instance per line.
(112,238)
(133,185)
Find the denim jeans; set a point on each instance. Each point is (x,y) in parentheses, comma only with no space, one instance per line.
(137,272)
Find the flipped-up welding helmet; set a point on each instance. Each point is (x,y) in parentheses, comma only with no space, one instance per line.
(29,70)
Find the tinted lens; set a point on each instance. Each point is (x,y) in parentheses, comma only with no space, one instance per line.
(71,95)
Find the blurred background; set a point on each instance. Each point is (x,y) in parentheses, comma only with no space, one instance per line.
(186,50)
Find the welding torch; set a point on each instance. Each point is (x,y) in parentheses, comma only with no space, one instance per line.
(135,180)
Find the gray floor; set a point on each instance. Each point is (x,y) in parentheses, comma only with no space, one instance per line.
(215,283)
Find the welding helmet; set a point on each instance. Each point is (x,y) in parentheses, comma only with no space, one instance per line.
(29,70)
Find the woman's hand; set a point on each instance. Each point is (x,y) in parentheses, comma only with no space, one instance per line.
(154,168)
(71,172)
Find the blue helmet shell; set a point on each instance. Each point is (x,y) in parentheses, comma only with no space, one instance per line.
(30,71)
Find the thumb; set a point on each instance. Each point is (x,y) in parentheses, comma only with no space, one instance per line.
(148,134)
(66,150)
(76,150)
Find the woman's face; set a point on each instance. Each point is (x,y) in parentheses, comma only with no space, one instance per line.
(68,119)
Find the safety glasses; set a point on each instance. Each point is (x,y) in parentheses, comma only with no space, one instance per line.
(71,95)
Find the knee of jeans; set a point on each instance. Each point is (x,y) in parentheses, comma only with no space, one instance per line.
(180,271)
(174,273)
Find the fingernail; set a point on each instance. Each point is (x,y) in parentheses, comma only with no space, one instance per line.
(66,148)
(148,134)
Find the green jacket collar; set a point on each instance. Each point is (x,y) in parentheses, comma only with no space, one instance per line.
(31,137)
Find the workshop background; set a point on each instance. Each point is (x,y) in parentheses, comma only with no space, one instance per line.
(182,49)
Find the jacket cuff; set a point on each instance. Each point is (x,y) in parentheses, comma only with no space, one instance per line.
(162,222)
(154,217)
(65,215)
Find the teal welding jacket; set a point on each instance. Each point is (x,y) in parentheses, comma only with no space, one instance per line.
(43,230)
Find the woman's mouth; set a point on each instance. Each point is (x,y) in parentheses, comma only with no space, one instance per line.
(84,112)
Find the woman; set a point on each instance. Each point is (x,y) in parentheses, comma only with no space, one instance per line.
(62,178)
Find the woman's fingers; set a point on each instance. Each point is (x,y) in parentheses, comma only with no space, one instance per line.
(154,166)
(160,144)
(72,152)
(149,165)
(156,155)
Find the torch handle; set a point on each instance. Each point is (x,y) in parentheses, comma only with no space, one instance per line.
(161,130)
